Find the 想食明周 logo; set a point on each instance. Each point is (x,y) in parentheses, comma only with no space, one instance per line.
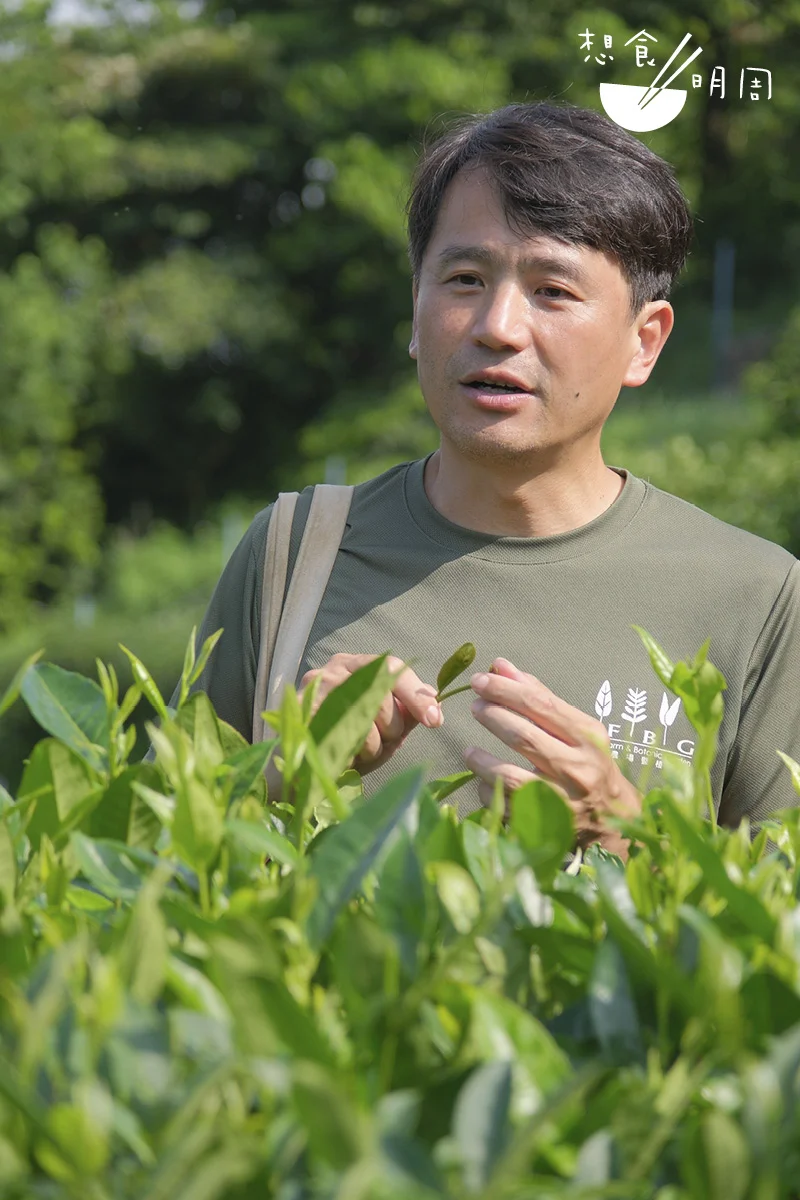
(642,108)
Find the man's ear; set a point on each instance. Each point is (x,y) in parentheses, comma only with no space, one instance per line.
(412,348)
(652,328)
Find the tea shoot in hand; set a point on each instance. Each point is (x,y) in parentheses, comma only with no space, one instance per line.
(456,665)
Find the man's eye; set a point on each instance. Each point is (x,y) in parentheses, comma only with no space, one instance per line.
(463,275)
(561,292)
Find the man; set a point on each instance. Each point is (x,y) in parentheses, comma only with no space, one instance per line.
(543,241)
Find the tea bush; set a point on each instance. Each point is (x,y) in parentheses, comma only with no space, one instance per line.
(207,994)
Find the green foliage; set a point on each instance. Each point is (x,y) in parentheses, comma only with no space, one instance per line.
(156,635)
(51,511)
(161,569)
(203,994)
(776,381)
(200,218)
(747,481)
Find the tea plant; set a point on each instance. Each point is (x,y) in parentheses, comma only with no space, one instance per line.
(206,995)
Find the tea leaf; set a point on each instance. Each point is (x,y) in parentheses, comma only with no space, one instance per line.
(129,703)
(188,666)
(614,1015)
(162,807)
(794,770)
(662,665)
(327,1116)
(544,824)
(480,1122)
(262,839)
(198,719)
(73,797)
(458,894)
(197,823)
(350,849)
(244,768)
(71,708)
(144,950)
(747,907)
(145,681)
(205,654)
(624,922)
(196,991)
(770,1005)
(339,728)
(439,789)
(501,1030)
(110,691)
(87,899)
(717,1165)
(343,720)
(400,904)
(13,690)
(456,664)
(104,868)
(81,1131)
(351,787)
(121,814)
(8,867)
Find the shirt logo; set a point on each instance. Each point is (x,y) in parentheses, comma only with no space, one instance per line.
(641,742)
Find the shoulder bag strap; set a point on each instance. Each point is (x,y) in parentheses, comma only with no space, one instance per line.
(276,560)
(287,633)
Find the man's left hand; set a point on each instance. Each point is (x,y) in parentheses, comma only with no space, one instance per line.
(567,748)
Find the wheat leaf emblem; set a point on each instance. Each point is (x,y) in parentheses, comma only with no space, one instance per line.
(668,714)
(602,705)
(635,706)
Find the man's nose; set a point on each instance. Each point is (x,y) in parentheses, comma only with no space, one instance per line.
(504,317)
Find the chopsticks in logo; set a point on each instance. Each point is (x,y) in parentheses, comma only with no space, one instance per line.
(653,91)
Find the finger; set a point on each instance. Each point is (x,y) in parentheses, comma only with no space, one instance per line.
(373,746)
(584,775)
(390,720)
(487,771)
(486,795)
(391,728)
(327,678)
(553,759)
(416,696)
(488,767)
(529,697)
(402,709)
(336,671)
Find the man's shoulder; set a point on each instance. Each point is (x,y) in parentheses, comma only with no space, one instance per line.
(697,532)
(365,491)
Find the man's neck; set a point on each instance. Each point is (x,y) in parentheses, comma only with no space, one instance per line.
(472,495)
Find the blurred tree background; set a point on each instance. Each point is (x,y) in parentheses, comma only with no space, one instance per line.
(205,295)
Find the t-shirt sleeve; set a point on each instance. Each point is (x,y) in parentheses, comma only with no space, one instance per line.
(235,607)
(757,781)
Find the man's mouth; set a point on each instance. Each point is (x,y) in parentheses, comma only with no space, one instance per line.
(483,385)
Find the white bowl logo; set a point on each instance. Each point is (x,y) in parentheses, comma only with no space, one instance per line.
(642,109)
(622,103)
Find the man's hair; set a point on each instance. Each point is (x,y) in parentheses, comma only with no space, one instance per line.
(568,173)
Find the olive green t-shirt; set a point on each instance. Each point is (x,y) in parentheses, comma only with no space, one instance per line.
(408,581)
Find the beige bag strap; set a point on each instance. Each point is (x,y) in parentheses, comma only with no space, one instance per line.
(284,634)
(276,559)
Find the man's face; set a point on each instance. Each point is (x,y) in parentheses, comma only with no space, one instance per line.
(555,316)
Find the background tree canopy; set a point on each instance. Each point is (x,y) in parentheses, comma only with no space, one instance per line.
(205,291)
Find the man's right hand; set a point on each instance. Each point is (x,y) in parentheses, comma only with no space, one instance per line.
(403,708)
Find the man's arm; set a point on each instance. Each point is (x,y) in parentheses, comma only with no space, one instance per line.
(757,781)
